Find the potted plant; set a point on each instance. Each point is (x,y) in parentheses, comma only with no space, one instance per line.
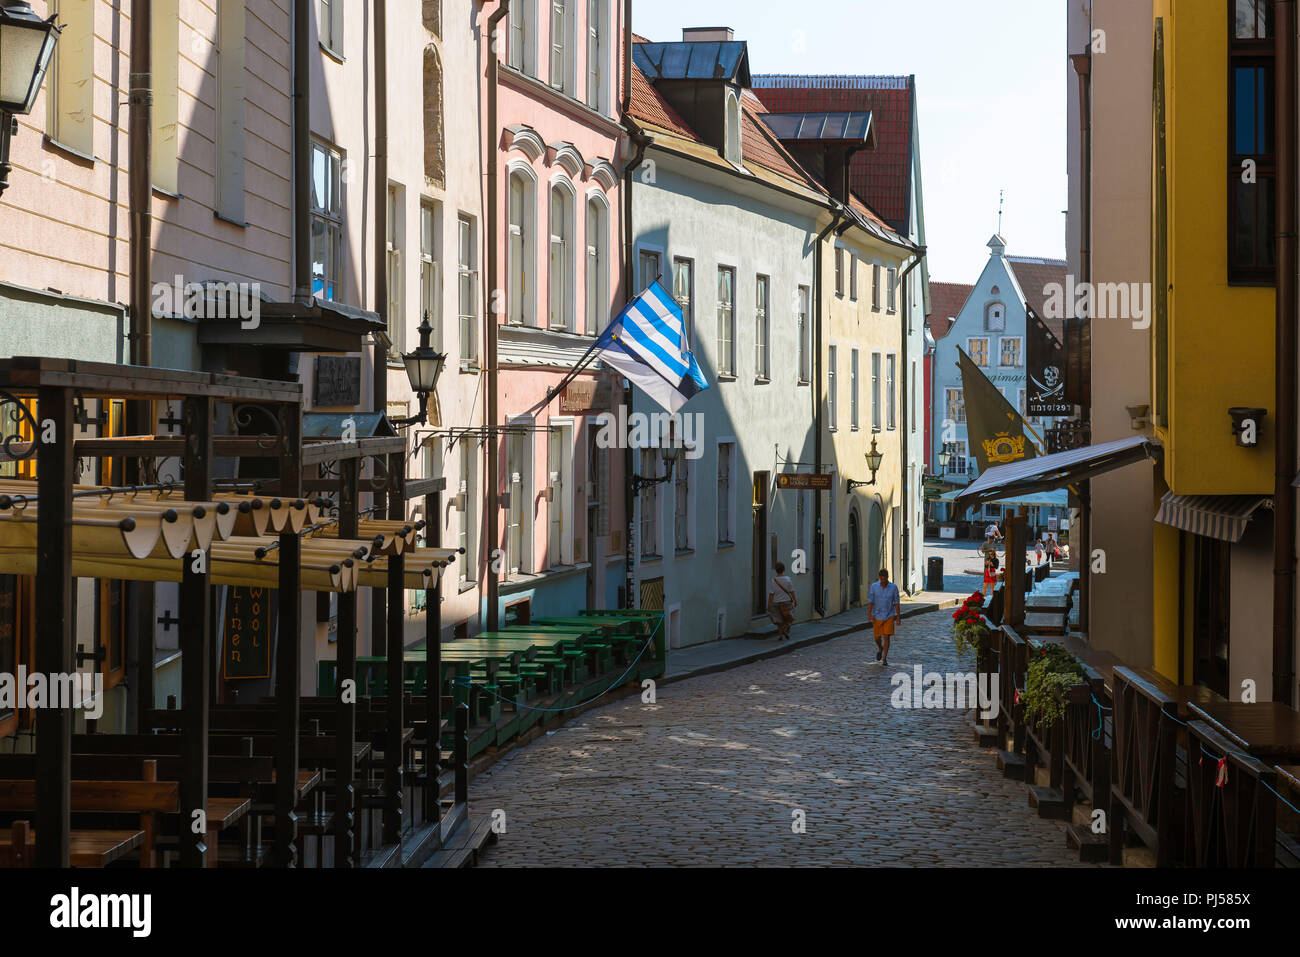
(1050,682)
(970,629)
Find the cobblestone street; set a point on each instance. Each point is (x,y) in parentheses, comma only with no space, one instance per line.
(714,772)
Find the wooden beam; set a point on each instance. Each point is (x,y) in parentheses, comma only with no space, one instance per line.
(415,488)
(432,661)
(345,679)
(55,597)
(287,664)
(394,759)
(196,639)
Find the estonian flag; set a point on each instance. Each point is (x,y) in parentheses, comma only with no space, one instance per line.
(647,345)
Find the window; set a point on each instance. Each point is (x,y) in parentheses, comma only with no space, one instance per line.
(519,483)
(467,287)
(957,462)
(519,251)
(831,399)
(70,80)
(891,289)
(726,320)
(560,46)
(228,188)
(468,536)
(435,164)
(683,531)
(762,359)
(431,267)
(955,406)
(995,317)
(853,390)
(978,350)
(1251,205)
(875,392)
(801,522)
(833,516)
(432,15)
(733,149)
(598,490)
(650,271)
(853,277)
(331,26)
(914,406)
(523,36)
(839,271)
(875,287)
(396,272)
(726,456)
(597,30)
(1010,346)
(597,269)
(801,320)
(650,467)
(166,95)
(559,508)
(560,276)
(891,391)
(683,292)
(326,222)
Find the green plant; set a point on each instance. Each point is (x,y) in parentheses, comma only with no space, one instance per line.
(969,629)
(1052,672)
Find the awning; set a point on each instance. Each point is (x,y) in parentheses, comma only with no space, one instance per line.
(1059,498)
(1215,516)
(1046,472)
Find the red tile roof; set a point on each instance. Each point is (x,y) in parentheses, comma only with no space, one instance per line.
(946,300)
(648,106)
(1034,274)
(879,176)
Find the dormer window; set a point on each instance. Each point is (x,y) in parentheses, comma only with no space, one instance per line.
(732,139)
(995,317)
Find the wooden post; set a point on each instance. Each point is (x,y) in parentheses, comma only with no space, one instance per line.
(433,661)
(287,665)
(393,757)
(462,753)
(345,679)
(54,600)
(196,640)
(1015,584)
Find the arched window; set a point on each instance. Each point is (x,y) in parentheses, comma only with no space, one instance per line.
(995,317)
(733,142)
(521,261)
(597,265)
(434,164)
(562,273)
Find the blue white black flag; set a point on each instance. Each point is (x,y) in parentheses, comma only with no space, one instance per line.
(647,345)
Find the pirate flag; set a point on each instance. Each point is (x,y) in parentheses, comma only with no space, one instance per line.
(1046,389)
(995,429)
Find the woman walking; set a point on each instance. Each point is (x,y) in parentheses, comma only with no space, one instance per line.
(990,574)
(781,602)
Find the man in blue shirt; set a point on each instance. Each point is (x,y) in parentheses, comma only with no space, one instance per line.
(884,612)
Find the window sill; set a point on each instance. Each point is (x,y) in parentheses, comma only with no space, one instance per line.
(684,553)
(469,367)
(333,55)
(229,220)
(69,151)
(726,377)
(466,586)
(802,382)
(726,545)
(165,193)
(761,380)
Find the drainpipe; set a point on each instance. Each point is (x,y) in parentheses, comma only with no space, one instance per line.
(1284,503)
(903,423)
(638,137)
(378,596)
(302,59)
(819,536)
(489,319)
(1083,67)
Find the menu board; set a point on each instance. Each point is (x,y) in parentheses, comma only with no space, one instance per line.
(247,632)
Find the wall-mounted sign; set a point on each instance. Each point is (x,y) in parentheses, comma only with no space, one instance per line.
(337,380)
(246,646)
(816,481)
(585,395)
(1045,392)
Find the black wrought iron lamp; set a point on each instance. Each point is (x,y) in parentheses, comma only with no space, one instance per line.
(26,45)
(423,367)
(874,458)
(668,453)
(945,457)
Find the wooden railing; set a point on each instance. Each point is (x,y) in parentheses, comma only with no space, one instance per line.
(1012,659)
(1086,742)
(1143,795)
(1231,803)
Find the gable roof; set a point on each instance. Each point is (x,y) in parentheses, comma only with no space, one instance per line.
(1033,274)
(946,301)
(881,176)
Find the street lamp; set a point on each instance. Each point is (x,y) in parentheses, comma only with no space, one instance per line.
(423,367)
(944,458)
(668,453)
(874,458)
(26,45)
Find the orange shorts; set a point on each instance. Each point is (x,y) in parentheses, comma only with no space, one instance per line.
(882,629)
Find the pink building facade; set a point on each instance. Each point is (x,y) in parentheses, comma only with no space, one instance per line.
(558,148)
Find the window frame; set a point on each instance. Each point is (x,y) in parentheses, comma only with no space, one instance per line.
(688,306)
(726,344)
(1258,52)
(1019,342)
(467,273)
(983,352)
(763,327)
(332,216)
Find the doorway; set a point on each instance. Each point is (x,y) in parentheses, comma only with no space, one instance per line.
(876,552)
(855,558)
(1210,622)
(759,540)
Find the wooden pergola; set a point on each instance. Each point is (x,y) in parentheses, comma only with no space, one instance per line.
(211,531)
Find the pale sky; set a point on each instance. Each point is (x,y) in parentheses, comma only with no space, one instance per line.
(991,79)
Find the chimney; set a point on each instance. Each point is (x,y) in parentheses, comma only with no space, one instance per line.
(708,34)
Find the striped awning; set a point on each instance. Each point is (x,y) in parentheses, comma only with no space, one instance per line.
(1215,516)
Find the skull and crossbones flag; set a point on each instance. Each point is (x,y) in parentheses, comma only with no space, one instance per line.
(1045,394)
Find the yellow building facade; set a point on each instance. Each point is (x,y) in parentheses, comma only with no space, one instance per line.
(1212,340)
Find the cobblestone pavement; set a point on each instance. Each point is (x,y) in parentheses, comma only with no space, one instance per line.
(714,771)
